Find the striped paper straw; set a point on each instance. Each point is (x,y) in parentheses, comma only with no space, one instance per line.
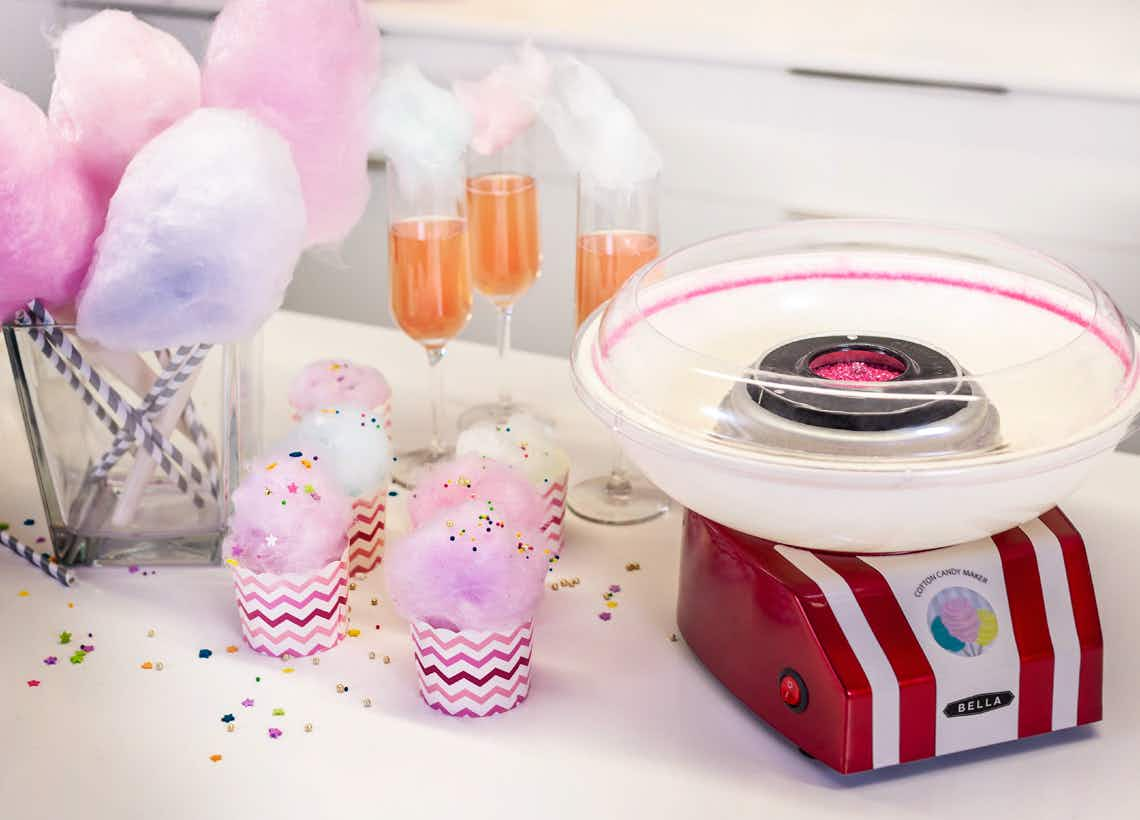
(94,389)
(38,559)
(176,371)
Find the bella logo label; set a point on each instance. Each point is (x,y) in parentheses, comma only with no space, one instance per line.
(977,704)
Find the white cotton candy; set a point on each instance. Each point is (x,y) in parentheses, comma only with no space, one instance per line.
(353,446)
(597,132)
(522,443)
(201,238)
(422,128)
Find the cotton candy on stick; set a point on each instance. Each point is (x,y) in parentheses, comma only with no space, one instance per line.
(49,216)
(422,128)
(118,83)
(597,132)
(306,68)
(201,240)
(505,102)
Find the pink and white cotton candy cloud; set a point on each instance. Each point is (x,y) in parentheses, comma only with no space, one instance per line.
(49,216)
(475,478)
(308,69)
(289,515)
(201,237)
(118,83)
(505,102)
(338,383)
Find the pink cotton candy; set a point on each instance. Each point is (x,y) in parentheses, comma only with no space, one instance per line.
(118,83)
(288,516)
(468,568)
(338,383)
(505,102)
(306,68)
(49,217)
(505,492)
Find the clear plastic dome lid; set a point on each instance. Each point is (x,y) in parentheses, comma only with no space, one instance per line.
(860,344)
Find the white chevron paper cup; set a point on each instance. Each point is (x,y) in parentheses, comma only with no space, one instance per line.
(366,533)
(472,673)
(554,494)
(298,613)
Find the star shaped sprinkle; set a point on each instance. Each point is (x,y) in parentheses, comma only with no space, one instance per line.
(247,703)
(271,540)
(51,660)
(65,637)
(274,733)
(292,488)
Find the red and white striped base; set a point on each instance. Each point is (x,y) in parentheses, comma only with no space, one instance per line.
(295,613)
(871,660)
(366,533)
(472,673)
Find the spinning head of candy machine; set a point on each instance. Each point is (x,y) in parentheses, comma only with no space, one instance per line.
(835,402)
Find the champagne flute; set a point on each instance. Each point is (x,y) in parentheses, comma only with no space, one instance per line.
(430,283)
(617,234)
(503,233)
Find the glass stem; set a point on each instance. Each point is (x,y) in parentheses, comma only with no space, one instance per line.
(435,365)
(618,485)
(504,339)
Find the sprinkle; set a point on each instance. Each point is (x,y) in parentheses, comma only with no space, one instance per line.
(632,566)
(133,568)
(278,711)
(247,703)
(673,637)
(229,727)
(33,683)
(88,648)
(78,656)
(23,593)
(231,649)
(70,605)
(367,702)
(612,604)
(29,522)
(354,633)
(615,588)
(605,616)
(257,679)
(308,727)
(231,562)
(371,656)
(341,688)
(387,659)
(295,454)
(316,661)
(158,667)
(215,758)
(228,717)
(51,660)
(375,601)
(274,733)
(150,633)
(205,653)
(288,670)
(351,586)
(147,665)
(65,637)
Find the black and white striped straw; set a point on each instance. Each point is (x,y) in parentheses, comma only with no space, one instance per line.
(38,559)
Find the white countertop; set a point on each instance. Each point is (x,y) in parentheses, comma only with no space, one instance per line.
(1056,46)
(621,722)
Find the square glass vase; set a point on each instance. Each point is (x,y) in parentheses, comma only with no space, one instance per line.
(134,511)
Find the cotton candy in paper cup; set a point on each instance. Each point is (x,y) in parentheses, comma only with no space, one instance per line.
(472,673)
(366,533)
(340,383)
(295,614)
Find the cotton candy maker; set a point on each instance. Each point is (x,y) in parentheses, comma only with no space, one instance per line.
(834,402)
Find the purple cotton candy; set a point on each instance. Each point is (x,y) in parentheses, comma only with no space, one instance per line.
(118,83)
(467,568)
(49,216)
(306,68)
(498,488)
(288,516)
(338,383)
(201,239)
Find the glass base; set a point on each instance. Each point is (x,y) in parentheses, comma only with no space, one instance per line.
(409,466)
(500,413)
(606,501)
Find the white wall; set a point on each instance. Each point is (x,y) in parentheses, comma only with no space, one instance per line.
(25,56)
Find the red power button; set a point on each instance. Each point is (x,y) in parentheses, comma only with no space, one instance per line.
(793,690)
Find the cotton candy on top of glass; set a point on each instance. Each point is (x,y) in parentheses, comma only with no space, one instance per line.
(118,83)
(49,216)
(201,239)
(422,128)
(289,515)
(522,443)
(353,444)
(505,102)
(338,383)
(472,478)
(469,567)
(308,69)
(597,132)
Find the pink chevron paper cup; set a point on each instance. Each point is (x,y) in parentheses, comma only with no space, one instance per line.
(299,613)
(472,673)
(366,533)
(554,494)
